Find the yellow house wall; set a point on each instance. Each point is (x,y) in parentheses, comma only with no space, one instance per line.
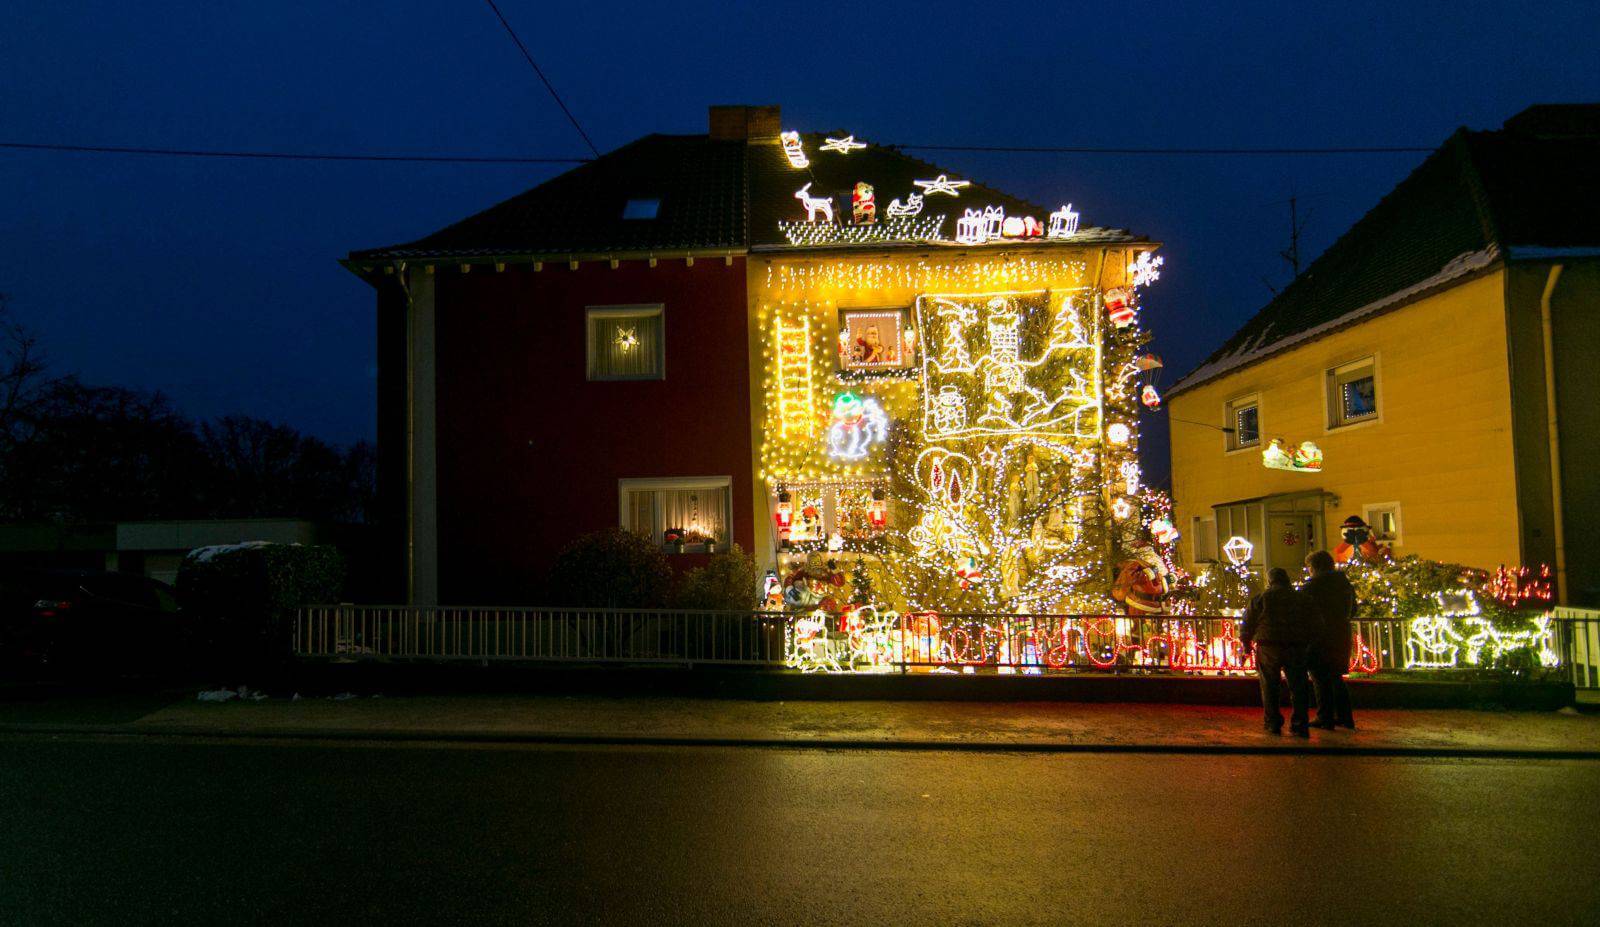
(1441,446)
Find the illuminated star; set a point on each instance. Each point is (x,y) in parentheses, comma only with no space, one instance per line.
(942,184)
(842,145)
(989,456)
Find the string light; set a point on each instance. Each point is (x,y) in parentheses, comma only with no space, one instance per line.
(842,145)
(857,424)
(941,184)
(1063,223)
(911,207)
(814,204)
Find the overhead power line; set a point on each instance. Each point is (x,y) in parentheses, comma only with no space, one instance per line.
(1086,149)
(514,159)
(539,71)
(285,155)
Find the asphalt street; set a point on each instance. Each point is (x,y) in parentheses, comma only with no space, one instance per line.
(147,830)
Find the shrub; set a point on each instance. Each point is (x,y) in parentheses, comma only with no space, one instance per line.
(610,569)
(727,583)
(241,598)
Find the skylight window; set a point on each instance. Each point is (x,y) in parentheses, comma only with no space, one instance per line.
(641,209)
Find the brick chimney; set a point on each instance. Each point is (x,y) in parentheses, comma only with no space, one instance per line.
(745,122)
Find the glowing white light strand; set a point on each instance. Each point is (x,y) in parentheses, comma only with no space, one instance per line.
(842,145)
(942,184)
(793,151)
(814,204)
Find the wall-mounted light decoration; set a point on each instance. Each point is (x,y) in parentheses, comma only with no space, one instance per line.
(1146,269)
(942,184)
(1238,550)
(627,339)
(793,151)
(1307,458)
(842,145)
(1063,222)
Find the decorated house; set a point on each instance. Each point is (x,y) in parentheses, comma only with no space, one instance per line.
(870,371)
(1427,385)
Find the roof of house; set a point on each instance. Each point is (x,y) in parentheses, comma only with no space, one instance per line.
(1529,190)
(714,194)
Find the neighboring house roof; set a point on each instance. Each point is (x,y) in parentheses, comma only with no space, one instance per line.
(714,194)
(1530,190)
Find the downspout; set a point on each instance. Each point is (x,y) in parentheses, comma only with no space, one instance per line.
(1558,520)
(411,437)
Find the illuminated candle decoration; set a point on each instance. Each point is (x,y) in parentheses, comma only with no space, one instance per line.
(1146,269)
(1238,550)
(911,207)
(1063,222)
(842,145)
(815,205)
(792,149)
(942,184)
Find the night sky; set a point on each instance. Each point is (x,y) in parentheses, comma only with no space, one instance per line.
(216,281)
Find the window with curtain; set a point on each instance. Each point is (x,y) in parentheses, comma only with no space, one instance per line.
(627,343)
(699,509)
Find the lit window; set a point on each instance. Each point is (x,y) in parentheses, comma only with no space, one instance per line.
(1244,420)
(1385,521)
(679,514)
(641,209)
(1352,393)
(627,343)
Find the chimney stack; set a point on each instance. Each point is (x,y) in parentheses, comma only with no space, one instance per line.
(745,122)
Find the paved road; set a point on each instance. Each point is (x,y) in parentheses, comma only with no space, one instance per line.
(144,830)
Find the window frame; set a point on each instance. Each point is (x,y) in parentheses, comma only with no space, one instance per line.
(1372,508)
(1203,529)
(627,311)
(1332,398)
(1230,438)
(655,211)
(654,484)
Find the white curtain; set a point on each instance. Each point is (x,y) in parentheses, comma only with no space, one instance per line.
(688,508)
(614,354)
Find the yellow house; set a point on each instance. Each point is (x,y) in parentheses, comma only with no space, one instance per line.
(1442,355)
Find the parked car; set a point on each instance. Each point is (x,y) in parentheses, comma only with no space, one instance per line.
(97,618)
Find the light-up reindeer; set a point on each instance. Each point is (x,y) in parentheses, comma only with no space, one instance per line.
(814,204)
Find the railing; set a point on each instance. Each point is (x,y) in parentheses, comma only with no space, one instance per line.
(397,632)
(869,641)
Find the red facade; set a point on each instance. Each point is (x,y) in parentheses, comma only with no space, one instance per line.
(530,451)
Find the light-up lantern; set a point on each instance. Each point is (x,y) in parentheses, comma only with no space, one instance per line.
(1238,550)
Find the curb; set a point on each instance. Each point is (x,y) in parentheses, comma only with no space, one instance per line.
(908,746)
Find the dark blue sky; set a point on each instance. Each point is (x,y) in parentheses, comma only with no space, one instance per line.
(216,281)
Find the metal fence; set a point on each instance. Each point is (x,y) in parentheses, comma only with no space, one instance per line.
(869,641)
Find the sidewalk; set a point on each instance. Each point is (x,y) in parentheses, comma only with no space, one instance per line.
(1030,726)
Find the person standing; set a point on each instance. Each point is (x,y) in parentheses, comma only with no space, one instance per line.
(1330,654)
(1281,625)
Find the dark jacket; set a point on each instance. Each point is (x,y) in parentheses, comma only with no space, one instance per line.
(1336,607)
(1281,615)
